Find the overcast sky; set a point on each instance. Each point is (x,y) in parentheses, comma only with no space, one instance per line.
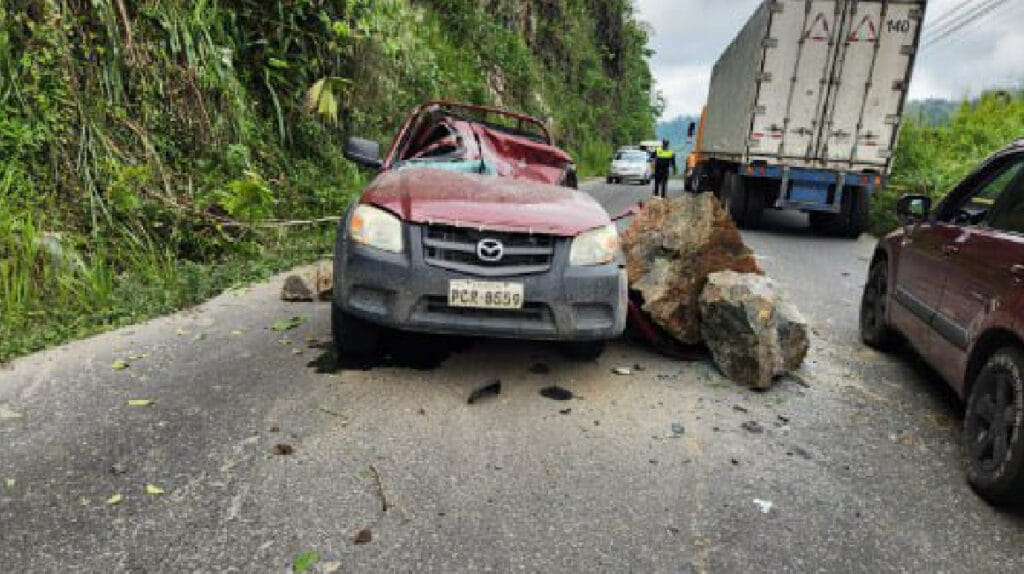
(690,34)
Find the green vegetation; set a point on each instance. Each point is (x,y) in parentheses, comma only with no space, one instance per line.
(931,159)
(145,145)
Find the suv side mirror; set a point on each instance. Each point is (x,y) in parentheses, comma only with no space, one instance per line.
(913,208)
(363,152)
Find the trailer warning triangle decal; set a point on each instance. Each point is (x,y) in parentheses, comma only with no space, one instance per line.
(872,37)
(820,31)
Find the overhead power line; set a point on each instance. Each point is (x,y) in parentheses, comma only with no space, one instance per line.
(945,17)
(970,18)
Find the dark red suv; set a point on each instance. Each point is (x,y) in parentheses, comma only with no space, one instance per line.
(951,281)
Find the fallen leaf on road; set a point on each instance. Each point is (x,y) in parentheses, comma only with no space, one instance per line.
(137,357)
(287,324)
(199,337)
(115,499)
(284,341)
(304,561)
(83,501)
(237,332)
(141,402)
(283,449)
(9,483)
(364,536)
(154,490)
(119,365)
(182,332)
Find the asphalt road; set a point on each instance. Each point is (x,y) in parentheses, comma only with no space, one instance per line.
(861,463)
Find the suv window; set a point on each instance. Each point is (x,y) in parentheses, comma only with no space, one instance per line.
(994,202)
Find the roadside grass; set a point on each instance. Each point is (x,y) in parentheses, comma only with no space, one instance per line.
(50,295)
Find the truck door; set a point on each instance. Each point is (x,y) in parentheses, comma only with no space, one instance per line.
(866,93)
(803,71)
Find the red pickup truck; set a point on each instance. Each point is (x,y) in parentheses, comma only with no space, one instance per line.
(472,227)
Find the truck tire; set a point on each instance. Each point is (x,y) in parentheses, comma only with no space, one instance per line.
(993,433)
(851,222)
(733,198)
(754,209)
(353,336)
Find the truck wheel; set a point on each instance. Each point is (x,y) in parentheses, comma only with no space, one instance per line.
(754,209)
(994,429)
(860,212)
(851,221)
(352,335)
(733,198)
(874,330)
(583,351)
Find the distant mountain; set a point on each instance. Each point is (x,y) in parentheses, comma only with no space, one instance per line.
(675,131)
(933,111)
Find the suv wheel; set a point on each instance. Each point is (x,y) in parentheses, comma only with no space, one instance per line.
(352,335)
(874,304)
(583,351)
(993,433)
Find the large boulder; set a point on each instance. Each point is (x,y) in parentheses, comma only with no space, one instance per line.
(753,333)
(671,246)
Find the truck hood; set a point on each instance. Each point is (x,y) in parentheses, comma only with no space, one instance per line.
(429,195)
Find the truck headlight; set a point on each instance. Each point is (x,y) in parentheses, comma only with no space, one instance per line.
(376,228)
(595,247)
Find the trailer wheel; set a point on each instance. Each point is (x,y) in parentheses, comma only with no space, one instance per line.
(733,198)
(754,194)
(851,221)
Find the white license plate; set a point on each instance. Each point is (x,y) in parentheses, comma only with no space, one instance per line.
(484,294)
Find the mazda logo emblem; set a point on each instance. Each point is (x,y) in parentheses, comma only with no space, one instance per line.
(490,250)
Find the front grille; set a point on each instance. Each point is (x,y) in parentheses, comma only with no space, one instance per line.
(455,248)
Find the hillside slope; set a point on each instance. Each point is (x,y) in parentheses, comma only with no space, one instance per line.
(135,136)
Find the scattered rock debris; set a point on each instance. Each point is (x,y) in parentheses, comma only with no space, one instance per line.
(556,393)
(295,290)
(753,427)
(492,387)
(678,430)
(364,537)
(283,449)
(324,282)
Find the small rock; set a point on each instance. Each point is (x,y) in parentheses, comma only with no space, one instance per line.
(364,536)
(740,408)
(295,290)
(283,449)
(678,430)
(324,282)
(556,393)
(565,411)
(753,427)
(622,371)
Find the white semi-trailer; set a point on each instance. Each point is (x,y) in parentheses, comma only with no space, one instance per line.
(805,108)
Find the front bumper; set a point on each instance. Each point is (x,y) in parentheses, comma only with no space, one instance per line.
(402,291)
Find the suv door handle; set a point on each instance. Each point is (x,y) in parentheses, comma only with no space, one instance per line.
(948,250)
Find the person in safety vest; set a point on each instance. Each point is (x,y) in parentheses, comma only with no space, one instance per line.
(664,159)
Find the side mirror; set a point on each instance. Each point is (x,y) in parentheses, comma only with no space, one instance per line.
(913,208)
(363,152)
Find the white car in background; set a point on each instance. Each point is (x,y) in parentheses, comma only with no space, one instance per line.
(630,164)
